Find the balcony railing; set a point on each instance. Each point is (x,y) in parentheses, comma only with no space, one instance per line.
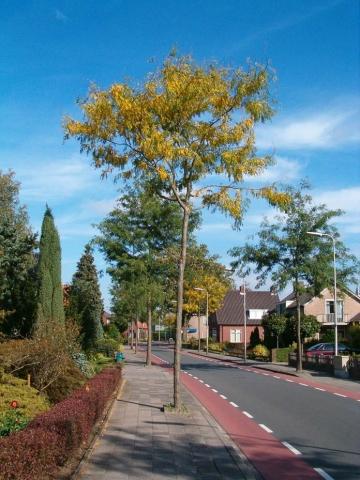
(330,318)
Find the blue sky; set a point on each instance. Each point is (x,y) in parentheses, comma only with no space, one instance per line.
(51,51)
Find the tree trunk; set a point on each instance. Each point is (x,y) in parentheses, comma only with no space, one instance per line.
(149,339)
(277,341)
(136,334)
(180,287)
(299,349)
(199,337)
(132,335)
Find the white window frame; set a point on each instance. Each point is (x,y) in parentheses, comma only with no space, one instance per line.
(235,335)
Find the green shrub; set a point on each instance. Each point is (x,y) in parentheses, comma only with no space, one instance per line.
(11,421)
(111,331)
(99,361)
(71,379)
(216,347)
(30,402)
(108,346)
(282,354)
(354,335)
(234,348)
(260,351)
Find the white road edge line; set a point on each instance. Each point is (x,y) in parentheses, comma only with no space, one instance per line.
(201,381)
(266,374)
(288,380)
(223,396)
(196,378)
(234,405)
(323,474)
(214,390)
(247,414)
(320,389)
(304,384)
(340,395)
(264,427)
(291,448)
(275,376)
(207,385)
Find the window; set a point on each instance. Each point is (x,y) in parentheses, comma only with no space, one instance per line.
(235,336)
(329,309)
(256,314)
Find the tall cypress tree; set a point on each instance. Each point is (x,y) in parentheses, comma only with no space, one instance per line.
(85,300)
(50,302)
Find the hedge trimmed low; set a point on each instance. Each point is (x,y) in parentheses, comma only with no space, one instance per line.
(54,436)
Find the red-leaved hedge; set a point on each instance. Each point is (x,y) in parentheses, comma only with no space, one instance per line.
(52,437)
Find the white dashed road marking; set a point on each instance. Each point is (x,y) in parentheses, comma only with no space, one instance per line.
(340,395)
(304,384)
(291,448)
(223,396)
(264,427)
(234,405)
(320,389)
(214,390)
(290,381)
(323,474)
(247,414)
(206,385)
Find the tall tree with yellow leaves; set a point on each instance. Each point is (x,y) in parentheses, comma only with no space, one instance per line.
(189,130)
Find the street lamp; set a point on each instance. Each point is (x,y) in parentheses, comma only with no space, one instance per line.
(207,316)
(244,295)
(320,234)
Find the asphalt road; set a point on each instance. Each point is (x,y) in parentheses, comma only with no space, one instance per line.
(323,427)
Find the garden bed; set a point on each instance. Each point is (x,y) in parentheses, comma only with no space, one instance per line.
(53,438)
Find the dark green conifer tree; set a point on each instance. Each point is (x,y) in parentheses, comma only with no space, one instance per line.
(50,301)
(85,302)
(17,261)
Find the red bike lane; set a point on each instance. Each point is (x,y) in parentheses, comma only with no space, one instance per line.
(267,454)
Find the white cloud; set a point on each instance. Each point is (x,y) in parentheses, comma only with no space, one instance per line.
(60,16)
(347,199)
(284,170)
(101,207)
(56,180)
(215,227)
(332,128)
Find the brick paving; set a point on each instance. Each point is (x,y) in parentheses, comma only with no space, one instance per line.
(141,441)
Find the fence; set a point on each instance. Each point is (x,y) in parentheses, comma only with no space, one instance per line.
(324,363)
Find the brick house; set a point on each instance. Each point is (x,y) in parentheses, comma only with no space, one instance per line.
(227,323)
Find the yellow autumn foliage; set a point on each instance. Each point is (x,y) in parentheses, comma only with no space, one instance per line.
(192,120)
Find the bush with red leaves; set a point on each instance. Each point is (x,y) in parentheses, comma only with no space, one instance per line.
(54,436)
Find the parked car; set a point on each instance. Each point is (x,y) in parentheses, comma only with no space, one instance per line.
(329,349)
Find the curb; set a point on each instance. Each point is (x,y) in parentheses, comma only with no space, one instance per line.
(260,367)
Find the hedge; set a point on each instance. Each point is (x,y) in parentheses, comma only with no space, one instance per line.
(54,436)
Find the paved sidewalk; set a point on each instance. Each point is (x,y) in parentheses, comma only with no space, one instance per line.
(140,441)
(321,377)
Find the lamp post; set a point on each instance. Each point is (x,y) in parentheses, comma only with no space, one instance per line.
(320,234)
(207,316)
(245,346)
